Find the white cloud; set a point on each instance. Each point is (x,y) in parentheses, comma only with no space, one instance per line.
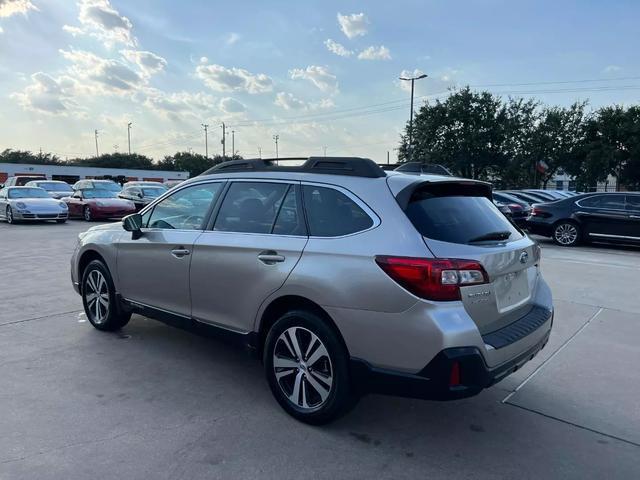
(100,75)
(224,79)
(100,20)
(46,94)
(231,105)
(148,62)
(337,48)
(611,69)
(354,25)
(177,104)
(375,53)
(232,38)
(1,30)
(319,76)
(204,60)
(11,7)
(289,102)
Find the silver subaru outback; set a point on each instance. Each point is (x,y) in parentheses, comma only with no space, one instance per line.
(343,278)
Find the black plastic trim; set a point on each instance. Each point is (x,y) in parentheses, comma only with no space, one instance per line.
(432,382)
(348,166)
(522,327)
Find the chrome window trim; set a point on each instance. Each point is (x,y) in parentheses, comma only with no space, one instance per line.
(577,202)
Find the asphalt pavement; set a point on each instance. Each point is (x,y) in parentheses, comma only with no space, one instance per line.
(151,401)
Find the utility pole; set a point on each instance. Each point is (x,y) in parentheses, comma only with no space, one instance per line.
(387,157)
(412,80)
(233,143)
(259,152)
(129,136)
(96,134)
(276,138)
(206,139)
(224,140)
(325,150)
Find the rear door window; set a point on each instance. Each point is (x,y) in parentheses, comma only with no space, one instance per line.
(251,207)
(459,218)
(331,213)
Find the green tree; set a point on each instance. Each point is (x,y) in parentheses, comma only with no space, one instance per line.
(193,163)
(467,133)
(116,160)
(24,156)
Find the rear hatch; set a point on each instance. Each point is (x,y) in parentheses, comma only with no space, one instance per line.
(458,220)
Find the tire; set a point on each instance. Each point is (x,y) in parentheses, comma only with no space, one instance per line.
(86,214)
(97,279)
(9,215)
(323,391)
(566,233)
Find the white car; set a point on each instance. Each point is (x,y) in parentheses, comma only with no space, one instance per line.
(30,203)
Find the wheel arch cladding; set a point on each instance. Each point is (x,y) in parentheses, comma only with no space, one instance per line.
(287,303)
(86,258)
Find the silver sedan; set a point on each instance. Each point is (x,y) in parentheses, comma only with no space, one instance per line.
(30,203)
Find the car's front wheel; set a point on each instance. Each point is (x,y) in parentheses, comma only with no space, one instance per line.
(87,214)
(9,215)
(307,368)
(99,298)
(566,234)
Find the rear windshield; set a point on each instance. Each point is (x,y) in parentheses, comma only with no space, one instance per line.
(459,219)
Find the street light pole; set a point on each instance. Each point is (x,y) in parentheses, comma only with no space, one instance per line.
(206,139)
(276,138)
(224,140)
(129,136)
(96,134)
(233,143)
(412,80)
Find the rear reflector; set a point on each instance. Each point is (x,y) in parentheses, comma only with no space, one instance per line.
(454,378)
(433,279)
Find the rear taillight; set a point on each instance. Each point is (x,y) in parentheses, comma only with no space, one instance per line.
(537,212)
(515,207)
(437,279)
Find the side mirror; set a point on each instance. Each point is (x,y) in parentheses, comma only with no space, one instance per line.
(132,223)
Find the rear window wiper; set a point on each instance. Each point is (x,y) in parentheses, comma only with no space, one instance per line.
(487,237)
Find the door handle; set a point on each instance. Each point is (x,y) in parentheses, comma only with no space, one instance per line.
(270,257)
(180,252)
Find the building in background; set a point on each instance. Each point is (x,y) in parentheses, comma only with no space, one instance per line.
(72,173)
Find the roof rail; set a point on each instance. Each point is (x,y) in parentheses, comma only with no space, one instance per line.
(349,166)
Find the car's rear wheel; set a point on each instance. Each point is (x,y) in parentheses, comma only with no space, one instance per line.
(307,368)
(566,234)
(9,215)
(86,213)
(99,298)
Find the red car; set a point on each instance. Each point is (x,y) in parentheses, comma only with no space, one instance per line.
(94,203)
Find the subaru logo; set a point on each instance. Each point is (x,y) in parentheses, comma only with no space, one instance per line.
(524,256)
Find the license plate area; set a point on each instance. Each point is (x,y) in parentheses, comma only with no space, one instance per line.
(511,290)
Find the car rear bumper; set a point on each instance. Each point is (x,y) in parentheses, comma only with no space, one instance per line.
(538,228)
(454,373)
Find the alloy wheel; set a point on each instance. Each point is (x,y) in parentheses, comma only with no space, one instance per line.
(566,234)
(87,214)
(9,215)
(96,292)
(303,369)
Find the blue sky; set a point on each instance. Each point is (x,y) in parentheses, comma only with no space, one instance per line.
(317,73)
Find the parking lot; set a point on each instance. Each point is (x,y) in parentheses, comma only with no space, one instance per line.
(155,402)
